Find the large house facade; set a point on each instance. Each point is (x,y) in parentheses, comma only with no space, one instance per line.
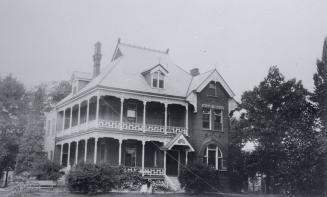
(142,112)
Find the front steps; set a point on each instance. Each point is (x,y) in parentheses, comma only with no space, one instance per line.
(173,183)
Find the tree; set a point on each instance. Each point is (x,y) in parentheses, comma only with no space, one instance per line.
(320,97)
(59,91)
(40,100)
(31,144)
(281,117)
(12,121)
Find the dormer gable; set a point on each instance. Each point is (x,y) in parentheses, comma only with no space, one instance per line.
(79,80)
(156,76)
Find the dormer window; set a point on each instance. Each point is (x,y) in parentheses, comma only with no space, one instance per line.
(158,80)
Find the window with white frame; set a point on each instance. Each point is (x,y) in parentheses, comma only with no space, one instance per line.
(217,120)
(131,112)
(158,80)
(206,118)
(212,117)
(213,157)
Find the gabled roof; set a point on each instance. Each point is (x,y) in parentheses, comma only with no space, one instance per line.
(180,140)
(125,72)
(199,82)
(156,68)
(130,62)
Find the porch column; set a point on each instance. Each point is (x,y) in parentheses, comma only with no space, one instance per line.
(121,112)
(61,153)
(165,156)
(64,120)
(76,153)
(144,115)
(85,151)
(68,157)
(119,151)
(216,160)
(143,149)
(97,110)
(186,119)
(87,110)
(186,157)
(95,149)
(71,117)
(179,161)
(166,106)
(79,114)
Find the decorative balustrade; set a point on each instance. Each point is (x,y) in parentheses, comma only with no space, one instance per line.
(109,124)
(147,171)
(132,126)
(154,172)
(155,128)
(176,130)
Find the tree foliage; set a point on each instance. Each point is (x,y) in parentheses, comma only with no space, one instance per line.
(281,118)
(31,143)
(12,120)
(199,178)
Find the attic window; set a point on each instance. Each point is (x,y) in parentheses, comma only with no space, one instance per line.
(158,80)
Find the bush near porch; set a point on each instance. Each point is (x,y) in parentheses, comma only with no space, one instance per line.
(199,178)
(92,178)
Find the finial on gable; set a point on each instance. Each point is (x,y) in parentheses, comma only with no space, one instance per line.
(118,40)
(167,50)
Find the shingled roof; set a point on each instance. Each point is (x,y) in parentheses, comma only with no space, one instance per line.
(129,62)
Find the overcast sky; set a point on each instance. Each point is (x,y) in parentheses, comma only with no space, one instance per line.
(44,40)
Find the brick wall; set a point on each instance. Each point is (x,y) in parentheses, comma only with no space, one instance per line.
(201,137)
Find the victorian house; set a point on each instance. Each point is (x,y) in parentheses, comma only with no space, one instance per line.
(142,112)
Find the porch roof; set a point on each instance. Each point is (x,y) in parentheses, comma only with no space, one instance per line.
(180,140)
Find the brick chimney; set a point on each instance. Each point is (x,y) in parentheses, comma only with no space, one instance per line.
(194,72)
(96,59)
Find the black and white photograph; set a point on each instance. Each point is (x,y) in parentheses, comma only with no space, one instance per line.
(163,98)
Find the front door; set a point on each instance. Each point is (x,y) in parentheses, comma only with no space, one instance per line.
(172,163)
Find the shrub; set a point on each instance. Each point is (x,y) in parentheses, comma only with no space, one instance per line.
(46,170)
(198,178)
(91,178)
(159,186)
(130,180)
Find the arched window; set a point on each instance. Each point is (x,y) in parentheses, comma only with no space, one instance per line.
(213,157)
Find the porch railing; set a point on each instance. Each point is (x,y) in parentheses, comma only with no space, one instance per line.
(176,130)
(148,171)
(130,126)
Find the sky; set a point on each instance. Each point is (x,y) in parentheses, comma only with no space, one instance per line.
(43,40)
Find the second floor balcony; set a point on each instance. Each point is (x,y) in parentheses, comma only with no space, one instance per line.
(125,115)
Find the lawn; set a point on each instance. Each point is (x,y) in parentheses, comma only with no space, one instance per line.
(67,194)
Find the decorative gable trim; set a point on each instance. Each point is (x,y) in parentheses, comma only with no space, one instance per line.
(156,68)
(216,77)
(179,139)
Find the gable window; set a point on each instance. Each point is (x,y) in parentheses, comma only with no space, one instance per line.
(213,89)
(161,80)
(217,119)
(158,80)
(206,117)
